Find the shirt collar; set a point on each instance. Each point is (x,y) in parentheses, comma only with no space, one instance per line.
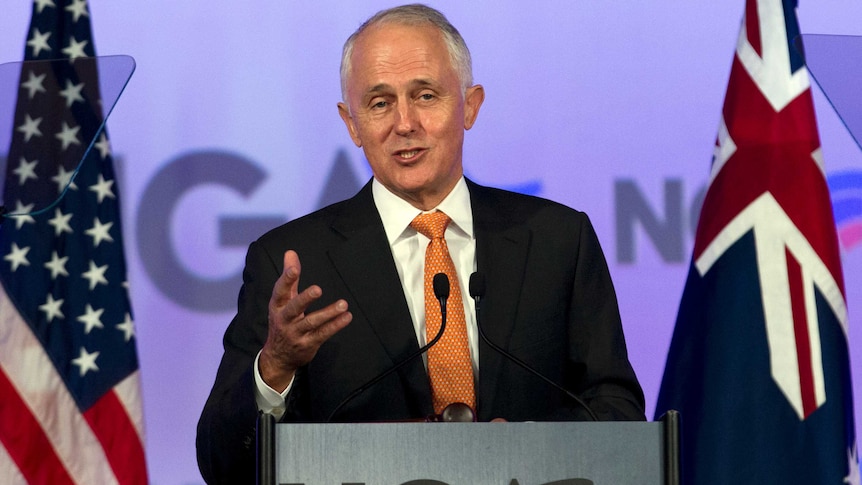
(397,214)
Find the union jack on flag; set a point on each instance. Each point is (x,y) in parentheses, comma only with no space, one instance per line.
(759,364)
(70,404)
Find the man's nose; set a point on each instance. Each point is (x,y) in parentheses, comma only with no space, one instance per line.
(407,121)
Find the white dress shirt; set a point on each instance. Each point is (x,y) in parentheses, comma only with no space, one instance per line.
(408,249)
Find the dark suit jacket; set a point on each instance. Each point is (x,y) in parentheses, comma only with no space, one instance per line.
(549,300)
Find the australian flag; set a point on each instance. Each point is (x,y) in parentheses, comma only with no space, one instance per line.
(758,366)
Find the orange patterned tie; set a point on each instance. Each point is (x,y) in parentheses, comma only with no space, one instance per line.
(449,365)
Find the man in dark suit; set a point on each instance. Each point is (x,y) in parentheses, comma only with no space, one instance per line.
(328,299)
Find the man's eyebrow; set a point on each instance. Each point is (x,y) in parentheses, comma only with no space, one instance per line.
(383,87)
(379,88)
(422,82)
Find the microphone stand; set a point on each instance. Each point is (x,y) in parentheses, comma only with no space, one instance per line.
(477,290)
(441,291)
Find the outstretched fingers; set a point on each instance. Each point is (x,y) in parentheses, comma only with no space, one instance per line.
(294,336)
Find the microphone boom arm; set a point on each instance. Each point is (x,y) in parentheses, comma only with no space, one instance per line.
(441,291)
(477,289)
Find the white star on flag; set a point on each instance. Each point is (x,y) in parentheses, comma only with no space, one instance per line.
(99,232)
(30,128)
(18,256)
(57,265)
(38,42)
(127,327)
(24,216)
(75,49)
(68,135)
(60,222)
(26,170)
(34,84)
(103,145)
(96,275)
(72,93)
(86,361)
(51,307)
(78,9)
(91,319)
(41,4)
(64,178)
(102,188)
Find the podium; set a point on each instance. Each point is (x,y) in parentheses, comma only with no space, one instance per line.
(570,453)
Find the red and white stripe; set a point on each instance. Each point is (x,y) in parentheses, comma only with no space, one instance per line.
(45,438)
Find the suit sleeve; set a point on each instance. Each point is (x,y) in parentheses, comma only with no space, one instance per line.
(604,375)
(226,429)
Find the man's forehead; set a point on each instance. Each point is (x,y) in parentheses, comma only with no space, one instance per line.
(390,36)
(412,56)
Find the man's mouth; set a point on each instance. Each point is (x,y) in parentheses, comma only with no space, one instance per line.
(408,154)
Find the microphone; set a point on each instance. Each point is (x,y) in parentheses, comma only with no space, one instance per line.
(477,291)
(441,292)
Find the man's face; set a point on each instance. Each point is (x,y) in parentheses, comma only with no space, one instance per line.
(406,110)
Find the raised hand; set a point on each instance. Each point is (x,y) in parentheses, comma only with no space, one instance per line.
(295,336)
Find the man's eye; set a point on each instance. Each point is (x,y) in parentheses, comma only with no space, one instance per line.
(427,97)
(379,105)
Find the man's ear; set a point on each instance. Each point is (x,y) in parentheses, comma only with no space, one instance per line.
(344,112)
(473,98)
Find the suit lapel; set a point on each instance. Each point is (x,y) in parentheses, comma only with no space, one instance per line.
(501,254)
(365,264)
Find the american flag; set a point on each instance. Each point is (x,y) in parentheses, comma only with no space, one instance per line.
(759,364)
(70,410)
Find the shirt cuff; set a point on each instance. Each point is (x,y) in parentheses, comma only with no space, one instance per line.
(268,399)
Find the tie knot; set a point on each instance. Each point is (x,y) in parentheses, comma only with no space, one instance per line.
(431,225)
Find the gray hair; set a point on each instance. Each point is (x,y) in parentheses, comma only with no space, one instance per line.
(415,14)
